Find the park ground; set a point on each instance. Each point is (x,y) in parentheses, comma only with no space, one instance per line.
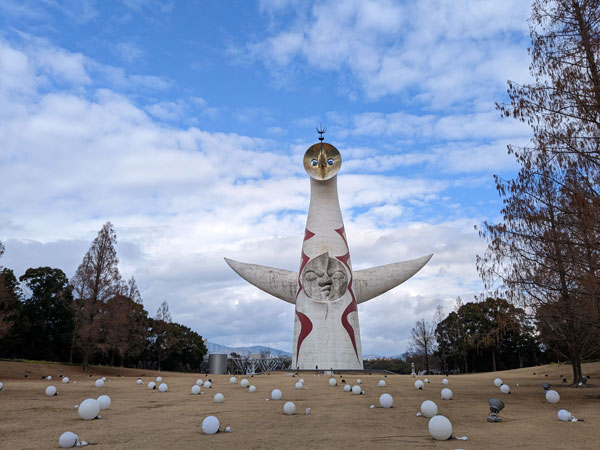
(139,418)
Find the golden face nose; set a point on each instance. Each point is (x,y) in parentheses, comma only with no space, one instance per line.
(322,161)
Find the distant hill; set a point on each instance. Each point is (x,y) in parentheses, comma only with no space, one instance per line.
(382,356)
(246,351)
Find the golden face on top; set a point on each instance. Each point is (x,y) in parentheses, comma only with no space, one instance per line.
(322,161)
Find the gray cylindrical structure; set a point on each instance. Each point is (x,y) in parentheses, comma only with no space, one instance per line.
(217,363)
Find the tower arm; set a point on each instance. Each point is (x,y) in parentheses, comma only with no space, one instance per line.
(369,283)
(282,284)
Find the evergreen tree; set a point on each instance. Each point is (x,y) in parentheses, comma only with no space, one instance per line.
(10,306)
(49,314)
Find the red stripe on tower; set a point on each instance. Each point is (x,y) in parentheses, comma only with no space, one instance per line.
(306,327)
(305,260)
(342,233)
(308,234)
(352,306)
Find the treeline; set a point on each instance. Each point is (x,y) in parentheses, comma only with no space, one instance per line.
(95,318)
(487,336)
(476,337)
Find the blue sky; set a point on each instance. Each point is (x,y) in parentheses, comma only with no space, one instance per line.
(184,124)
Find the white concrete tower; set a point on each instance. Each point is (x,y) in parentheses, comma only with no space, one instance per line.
(325,290)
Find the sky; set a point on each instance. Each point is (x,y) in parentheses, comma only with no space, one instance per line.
(184,125)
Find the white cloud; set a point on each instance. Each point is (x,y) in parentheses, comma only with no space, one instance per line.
(167,110)
(158,6)
(449,51)
(35,63)
(129,52)
(183,198)
(15,73)
(277,131)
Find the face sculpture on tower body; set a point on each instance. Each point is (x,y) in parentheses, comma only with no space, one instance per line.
(324,278)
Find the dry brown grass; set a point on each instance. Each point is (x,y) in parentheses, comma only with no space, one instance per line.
(143,419)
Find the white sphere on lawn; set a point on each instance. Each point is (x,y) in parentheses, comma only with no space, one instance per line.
(139,381)
(244,383)
(195,389)
(89,409)
(103,378)
(552,396)
(382,383)
(276,394)
(289,408)
(429,408)
(445,381)
(99,383)
(498,382)
(419,384)
(252,388)
(163,387)
(104,401)
(446,394)
(152,385)
(386,401)
(50,391)
(49,378)
(219,398)
(299,385)
(232,380)
(332,382)
(158,379)
(210,425)
(301,380)
(440,428)
(1,385)
(207,384)
(199,381)
(505,389)
(67,440)
(564,415)
(359,381)
(426,380)
(356,390)
(65,379)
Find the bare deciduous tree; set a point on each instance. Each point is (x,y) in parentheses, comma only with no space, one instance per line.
(124,322)
(96,280)
(423,340)
(546,253)
(163,332)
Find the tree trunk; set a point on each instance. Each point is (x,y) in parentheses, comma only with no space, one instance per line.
(576,364)
(71,351)
(494,360)
(584,34)
(85,362)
